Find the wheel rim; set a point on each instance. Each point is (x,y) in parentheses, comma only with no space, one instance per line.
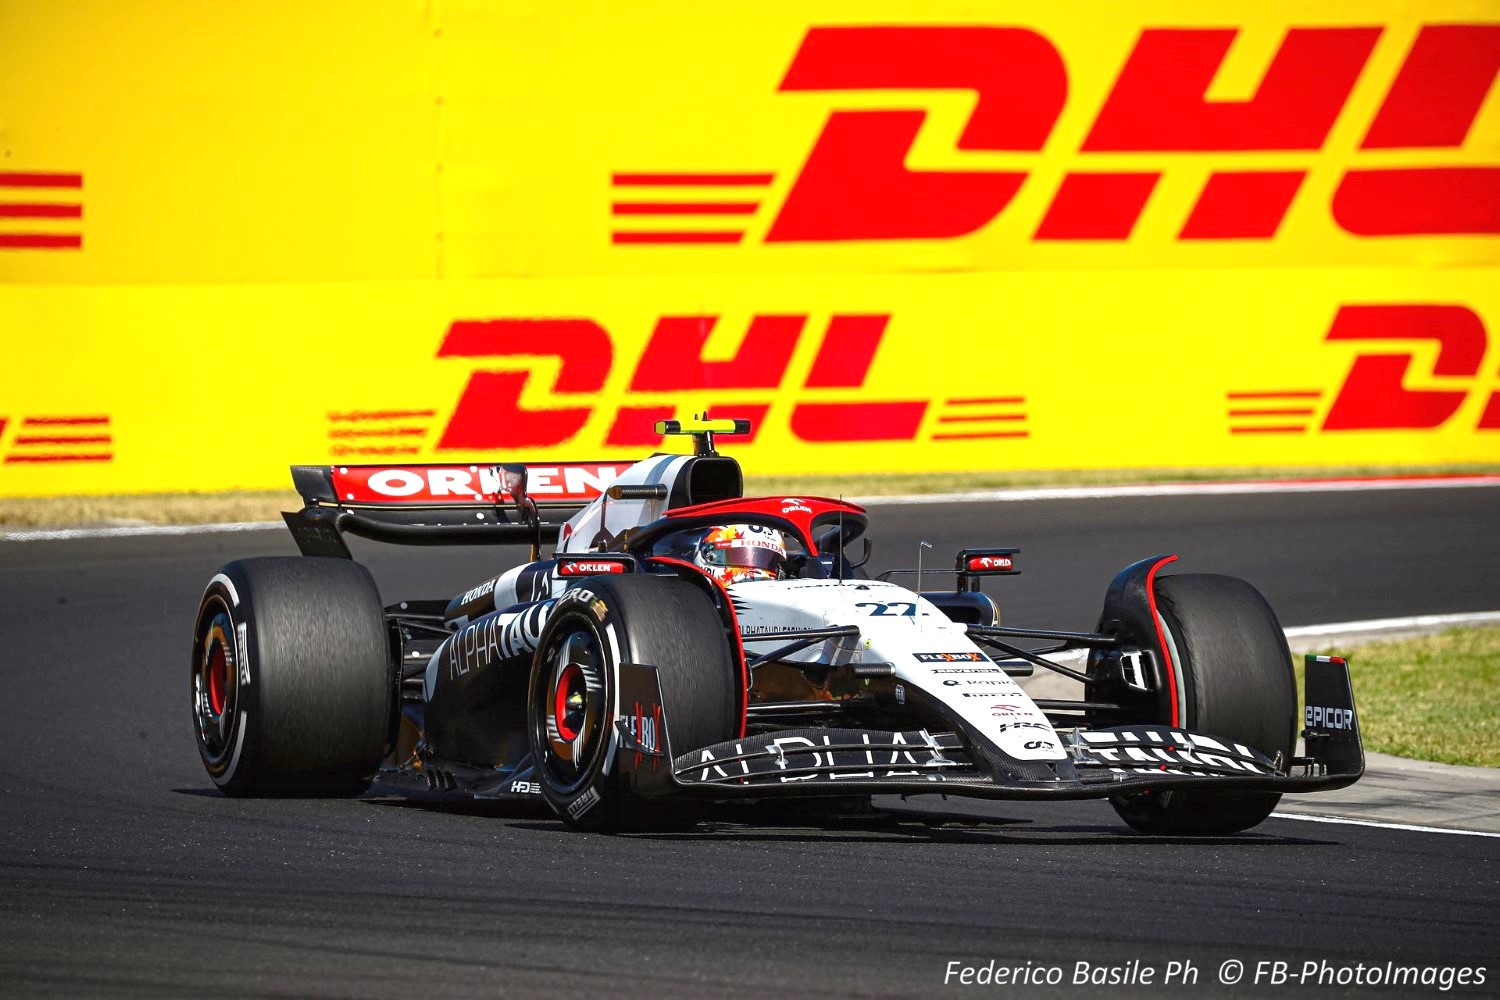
(215,682)
(573,708)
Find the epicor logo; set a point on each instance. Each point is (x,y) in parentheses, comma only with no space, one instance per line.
(1329,718)
(855,185)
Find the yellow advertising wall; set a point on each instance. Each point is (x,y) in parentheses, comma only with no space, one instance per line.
(938,236)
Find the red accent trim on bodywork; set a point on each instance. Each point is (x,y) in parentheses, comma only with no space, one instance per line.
(800,511)
(1161,636)
(734,627)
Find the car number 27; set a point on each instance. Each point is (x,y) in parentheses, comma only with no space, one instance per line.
(893,609)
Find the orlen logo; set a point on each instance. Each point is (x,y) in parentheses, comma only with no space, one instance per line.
(1378,391)
(827,404)
(855,185)
(982,563)
(575,482)
(591,567)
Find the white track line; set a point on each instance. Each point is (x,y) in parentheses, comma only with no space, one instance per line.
(1307,818)
(1392,624)
(987,496)
(1188,489)
(135,531)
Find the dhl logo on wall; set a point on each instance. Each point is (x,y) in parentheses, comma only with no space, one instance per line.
(295,142)
(856,183)
(918,372)
(946,237)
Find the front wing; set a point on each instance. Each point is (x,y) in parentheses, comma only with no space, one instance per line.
(1104,762)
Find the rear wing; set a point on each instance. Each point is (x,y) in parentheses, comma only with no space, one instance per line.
(451,504)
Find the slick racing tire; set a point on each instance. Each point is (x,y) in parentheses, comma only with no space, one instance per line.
(1236,679)
(292,682)
(572,703)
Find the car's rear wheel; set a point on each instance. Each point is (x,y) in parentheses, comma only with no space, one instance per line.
(292,682)
(572,704)
(1236,682)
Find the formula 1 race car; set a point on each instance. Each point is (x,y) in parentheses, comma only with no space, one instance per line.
(685,646)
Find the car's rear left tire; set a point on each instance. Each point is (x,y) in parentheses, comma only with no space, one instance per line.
(1235,671)
(292,682)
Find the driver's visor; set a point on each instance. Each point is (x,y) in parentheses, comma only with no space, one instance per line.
(744,556)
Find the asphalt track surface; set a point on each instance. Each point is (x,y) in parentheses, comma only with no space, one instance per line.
(123,873)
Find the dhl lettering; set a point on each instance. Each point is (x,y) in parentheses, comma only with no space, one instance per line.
(1158,103)
(1374,395)
(490,414)
(855,185)
(57,441)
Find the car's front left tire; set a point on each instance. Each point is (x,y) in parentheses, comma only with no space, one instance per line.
(573,700)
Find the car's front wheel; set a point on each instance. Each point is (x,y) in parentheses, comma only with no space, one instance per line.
(573,700)
(1235,682)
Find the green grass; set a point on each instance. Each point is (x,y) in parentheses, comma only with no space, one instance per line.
(1435,697)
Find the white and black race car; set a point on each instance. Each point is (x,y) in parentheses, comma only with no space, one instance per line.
(685,645)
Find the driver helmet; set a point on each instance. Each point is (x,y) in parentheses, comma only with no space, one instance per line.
(735,553)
